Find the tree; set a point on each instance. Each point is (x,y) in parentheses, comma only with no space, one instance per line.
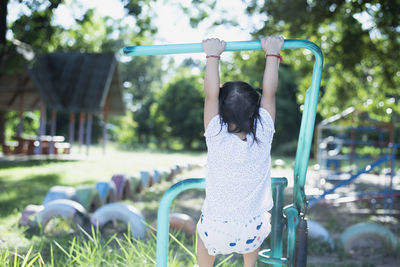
(360,41)
(181,104)
(90,33)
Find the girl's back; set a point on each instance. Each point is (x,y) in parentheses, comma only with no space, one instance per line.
(238,172)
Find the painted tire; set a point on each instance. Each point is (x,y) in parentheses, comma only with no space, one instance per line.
(147,178)
(88,197)
(164,173)
(181,222)
(28,215)
(107,192)
(59,192)
(156,176)
(123,185)
(171,174)
(361,231)
(120,212)
(316,230)
(65,208)
(136,184)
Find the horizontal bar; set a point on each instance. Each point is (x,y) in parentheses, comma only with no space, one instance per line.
(265,256)
(147,50)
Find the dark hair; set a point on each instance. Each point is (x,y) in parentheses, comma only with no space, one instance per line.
(238,104)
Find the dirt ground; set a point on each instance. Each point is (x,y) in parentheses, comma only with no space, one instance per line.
(333,216)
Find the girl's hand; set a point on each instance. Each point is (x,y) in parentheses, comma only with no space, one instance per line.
(213,46)
(272,44)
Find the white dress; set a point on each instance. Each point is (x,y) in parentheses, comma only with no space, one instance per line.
(238,182)
(235,214)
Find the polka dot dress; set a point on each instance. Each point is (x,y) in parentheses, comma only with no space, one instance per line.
(225,237)
(238,188)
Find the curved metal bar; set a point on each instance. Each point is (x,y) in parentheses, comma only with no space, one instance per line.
(163,215)
(147,50)
(311,100)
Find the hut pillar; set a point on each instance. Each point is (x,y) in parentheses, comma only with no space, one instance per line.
(81,126)
(71,129)
(21,113)
(53,130)
(42,128)
(105,119)
(88,131)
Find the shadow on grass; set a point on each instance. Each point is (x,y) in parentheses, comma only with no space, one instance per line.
(15,195)
(30,163)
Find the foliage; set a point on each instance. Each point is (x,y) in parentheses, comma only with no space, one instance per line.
(142,76)
(181,103)
(90,33)
(359,39)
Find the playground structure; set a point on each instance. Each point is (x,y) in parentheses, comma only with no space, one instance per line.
(349,145)
(292,215)
(100,204)
(71,82)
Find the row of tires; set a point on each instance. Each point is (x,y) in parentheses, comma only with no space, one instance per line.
(97,205)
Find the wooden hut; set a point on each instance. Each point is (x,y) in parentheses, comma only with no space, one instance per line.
(79,83)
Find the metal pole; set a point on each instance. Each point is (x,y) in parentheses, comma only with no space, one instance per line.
(88,132)
(163,216)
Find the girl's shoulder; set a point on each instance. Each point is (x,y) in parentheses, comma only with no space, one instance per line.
(266,123)
(214,127)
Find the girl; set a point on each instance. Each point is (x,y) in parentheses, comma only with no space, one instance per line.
(239,126)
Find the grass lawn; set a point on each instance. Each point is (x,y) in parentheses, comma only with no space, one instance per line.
(27,182)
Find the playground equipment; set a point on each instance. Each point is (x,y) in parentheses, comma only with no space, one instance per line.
(75,204)
(123,185)
(352,144)
(107,192)
(88,197)
(64,208)
(316,230)
(365,230)
(292,215)
(59,192)
(181,222)
(120,212)
(28,215)
(147,178)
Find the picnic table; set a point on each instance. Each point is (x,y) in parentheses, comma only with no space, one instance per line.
(27,145)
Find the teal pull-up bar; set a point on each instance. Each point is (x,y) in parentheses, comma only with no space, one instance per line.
(303,145)
(148,50)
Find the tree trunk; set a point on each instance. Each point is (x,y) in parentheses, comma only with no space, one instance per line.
(3,31)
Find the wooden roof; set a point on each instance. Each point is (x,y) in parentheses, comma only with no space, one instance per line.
(74,81)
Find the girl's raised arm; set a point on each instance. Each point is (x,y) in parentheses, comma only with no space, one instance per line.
(213,49)
(272,46)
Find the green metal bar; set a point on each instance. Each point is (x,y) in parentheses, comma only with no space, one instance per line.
(277,184)
(307,130)
(278,187)
(292,218)
(311,100)
(265,256)
(148,50)
(163,216)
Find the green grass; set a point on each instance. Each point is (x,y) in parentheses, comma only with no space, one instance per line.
(27,182)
